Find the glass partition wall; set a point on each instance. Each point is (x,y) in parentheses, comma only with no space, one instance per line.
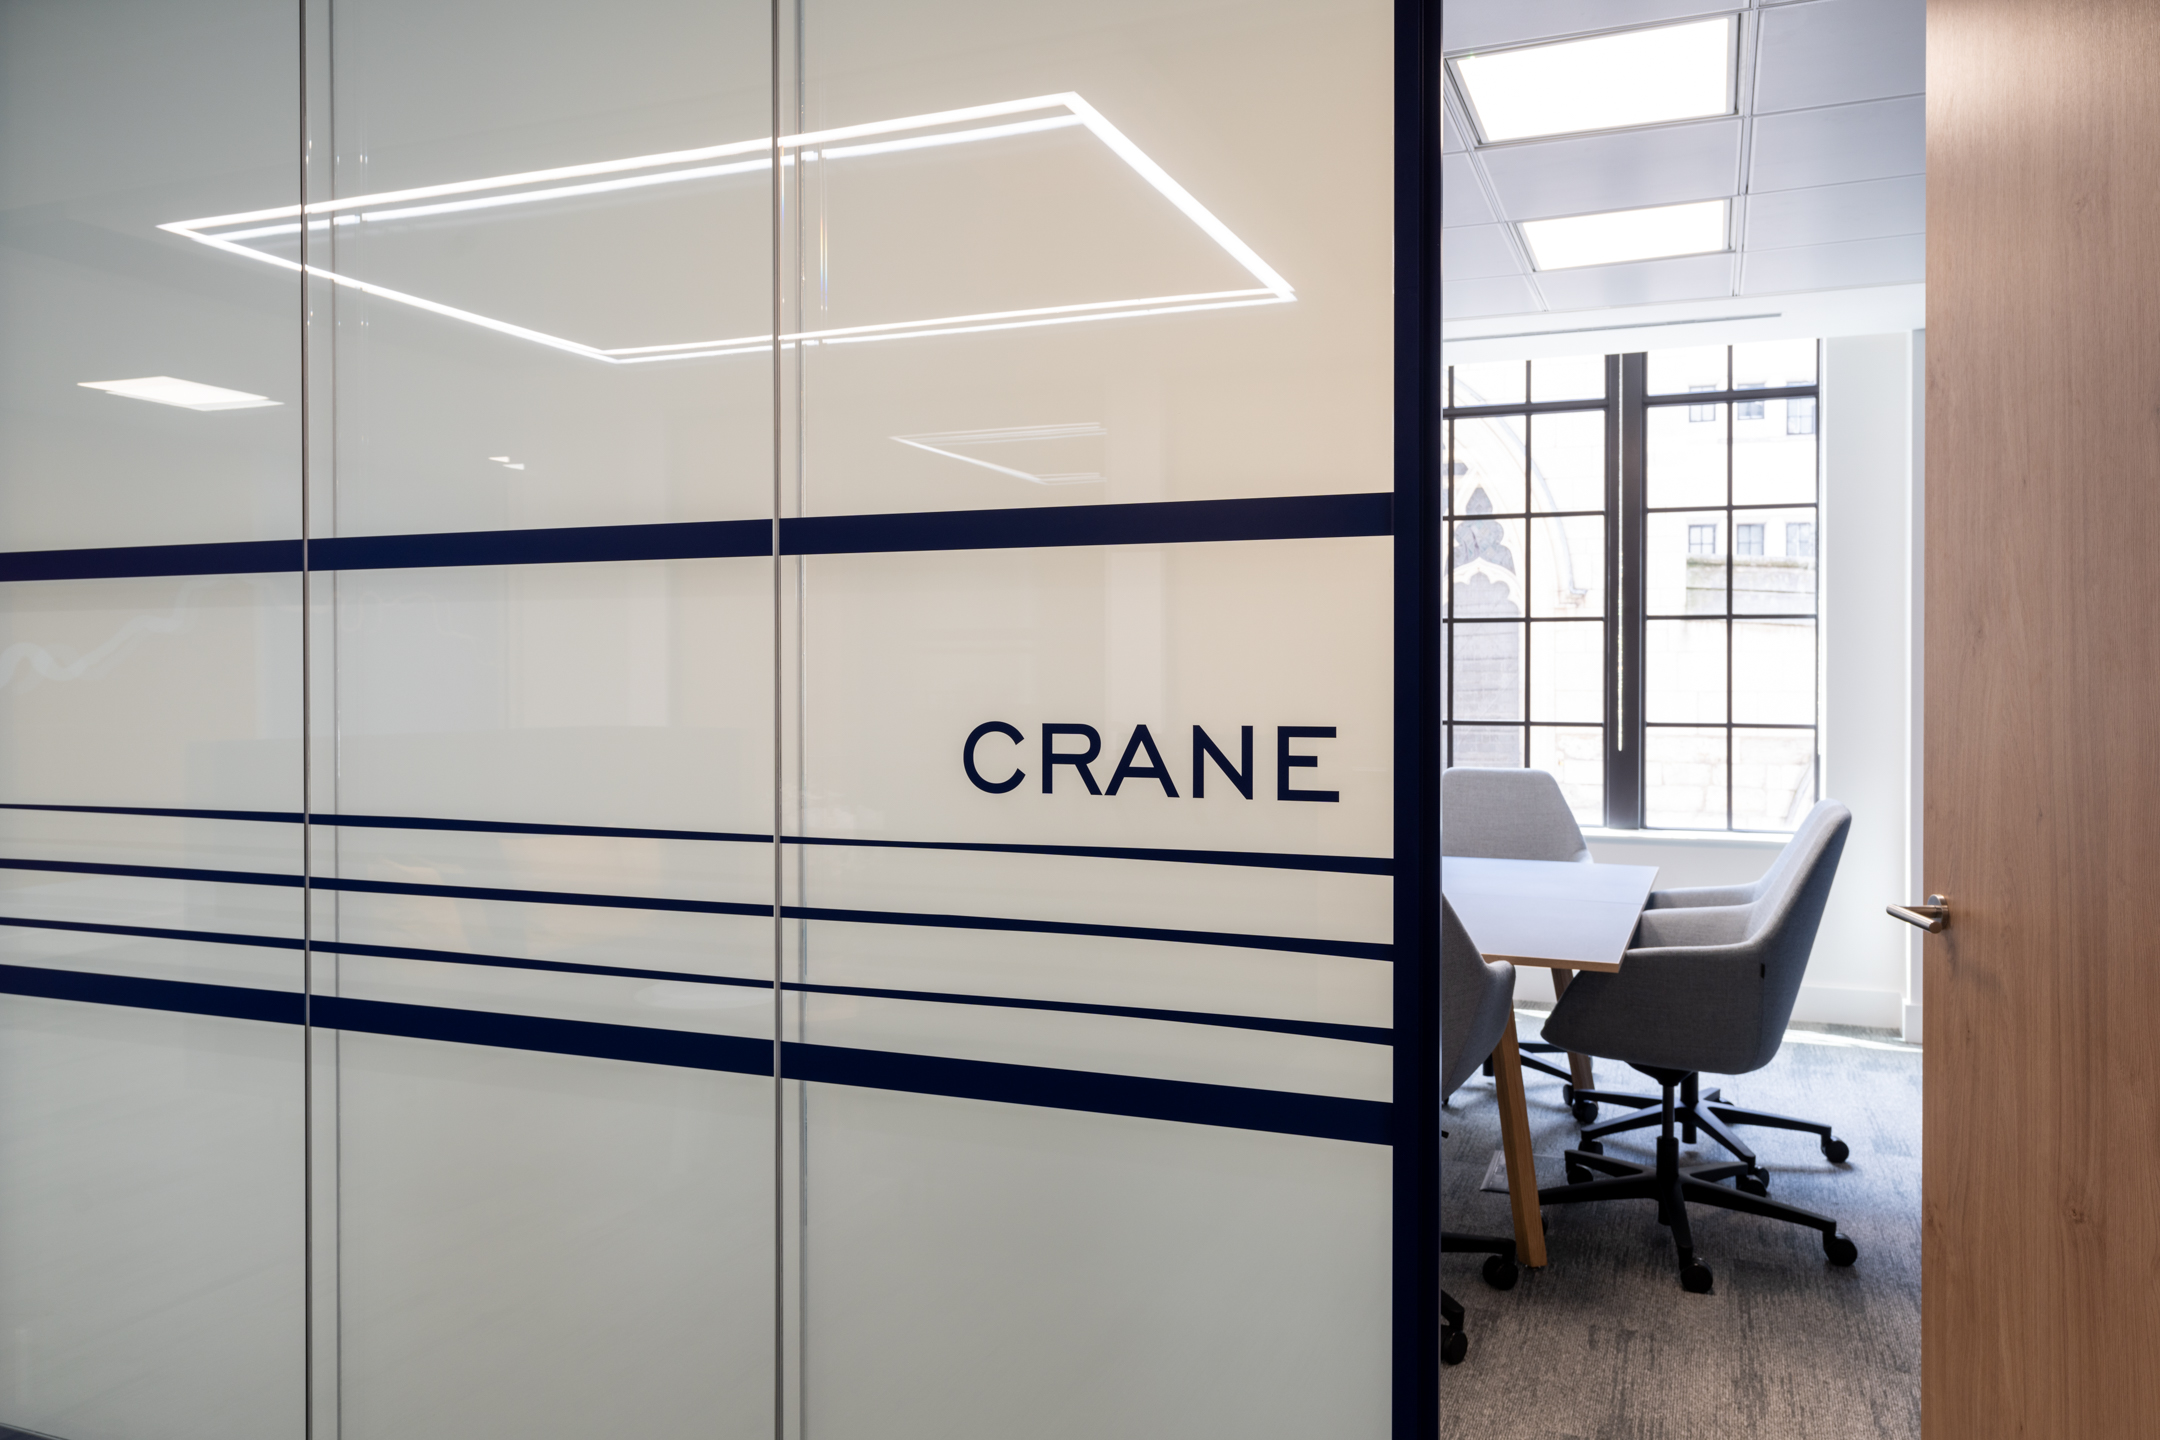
(665,780)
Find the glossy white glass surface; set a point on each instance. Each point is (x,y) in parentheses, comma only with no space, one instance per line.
(466,420)
(151,1217)
(150,1223)
(1111,1261)
(1249,354)
(530,1240)
(613,1203)
(121,119)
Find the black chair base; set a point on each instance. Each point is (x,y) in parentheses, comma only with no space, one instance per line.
(1673,1188)
(1696,1109)
(1500,1271)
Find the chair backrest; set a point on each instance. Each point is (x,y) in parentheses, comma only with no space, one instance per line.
(1477,1002)
(1507,815)
(1787,912)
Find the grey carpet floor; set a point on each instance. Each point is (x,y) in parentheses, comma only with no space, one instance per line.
(1603,1344)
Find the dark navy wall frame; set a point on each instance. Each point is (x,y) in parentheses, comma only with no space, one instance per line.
(1415,1407)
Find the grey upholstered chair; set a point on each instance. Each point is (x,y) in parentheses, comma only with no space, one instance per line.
(1477,1004)
(1709,985)
(1518,815)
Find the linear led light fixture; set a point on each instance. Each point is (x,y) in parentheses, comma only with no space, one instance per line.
(1008,435)
(1607,82)
(1619,236)
(880,137)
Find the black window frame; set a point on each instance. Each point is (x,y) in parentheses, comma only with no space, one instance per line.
(1626,404)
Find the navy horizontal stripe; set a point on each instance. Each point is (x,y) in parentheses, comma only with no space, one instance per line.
(563,545)
(1353,949)
(1162,522)
(186,997)
(1318,1029)
(1259,859)
(1188,1102)
(128,562)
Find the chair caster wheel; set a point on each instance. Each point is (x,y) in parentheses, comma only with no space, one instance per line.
(1585,1111)
(1840,1250)
(1501,1273)
(1695,1278)
(1453,1346)
(1579,1175)
(1757,1184)
(1592,1147)
(1836,1151)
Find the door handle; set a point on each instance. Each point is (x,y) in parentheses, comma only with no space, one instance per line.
(1930,917)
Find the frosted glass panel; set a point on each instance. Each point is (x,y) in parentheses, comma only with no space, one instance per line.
(1114,284)
(1101,701)
(1177,754)
(548,351)
(151,1261)
(546,855)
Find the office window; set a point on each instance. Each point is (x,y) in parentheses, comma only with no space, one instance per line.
(1728,684)
(1525,600)
(1715,726)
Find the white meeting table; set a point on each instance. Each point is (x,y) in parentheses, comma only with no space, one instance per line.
(1560,916)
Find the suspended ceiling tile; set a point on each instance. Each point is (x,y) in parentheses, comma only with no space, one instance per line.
(1844,143)
(1462,201)
(1828,214)
(1467,25)
(1621,171)
(1498,295)
(1836,52)
(1648,282)
(1473,252)
(1450,137)
(1895,260)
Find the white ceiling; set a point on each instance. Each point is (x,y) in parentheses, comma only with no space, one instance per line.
(1824,164)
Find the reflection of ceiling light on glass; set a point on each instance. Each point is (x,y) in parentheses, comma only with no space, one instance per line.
(1634,77)
(227,232)
(1623,235)
(941,442)
(505,462)
(187,394)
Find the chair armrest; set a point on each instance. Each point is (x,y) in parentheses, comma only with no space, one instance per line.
(1697,896)
(1693,927)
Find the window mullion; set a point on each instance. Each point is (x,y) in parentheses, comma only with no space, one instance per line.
(1627,452)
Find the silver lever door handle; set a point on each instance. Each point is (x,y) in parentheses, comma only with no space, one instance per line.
(1930,917)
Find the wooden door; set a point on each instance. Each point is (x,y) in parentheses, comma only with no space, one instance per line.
(2042,1206)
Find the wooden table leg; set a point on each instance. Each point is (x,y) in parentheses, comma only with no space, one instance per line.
(1515,1144)
(1583,1076)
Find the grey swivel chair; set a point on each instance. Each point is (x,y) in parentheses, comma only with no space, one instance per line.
(1517,815)
(1477,1004)
(1709,985)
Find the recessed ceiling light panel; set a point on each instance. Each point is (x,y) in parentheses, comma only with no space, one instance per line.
(1619,236)
(1607,82)
(187,394)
